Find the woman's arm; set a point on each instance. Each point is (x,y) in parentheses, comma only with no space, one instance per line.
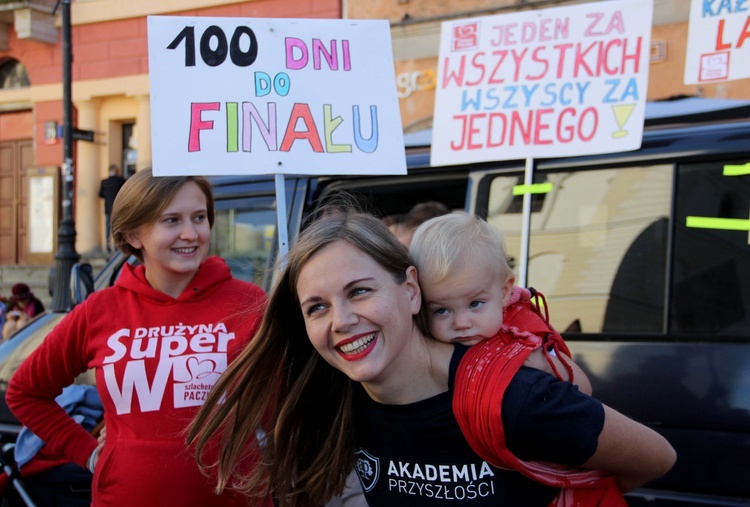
(632,452)
(551,421)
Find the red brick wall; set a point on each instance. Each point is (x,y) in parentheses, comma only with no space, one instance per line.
(47,154)
(16,125)
(120,48)
(110,49)
(43,62)
(396,10)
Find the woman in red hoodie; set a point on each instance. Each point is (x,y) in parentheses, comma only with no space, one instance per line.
(158,341)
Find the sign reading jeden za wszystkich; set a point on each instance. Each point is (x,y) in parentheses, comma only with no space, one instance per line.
(542,83)
(236,96)
(718,46)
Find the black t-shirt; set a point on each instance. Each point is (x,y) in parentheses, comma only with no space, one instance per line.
(416,455)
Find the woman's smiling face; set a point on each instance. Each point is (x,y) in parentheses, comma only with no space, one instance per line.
(357,316)
(175,244)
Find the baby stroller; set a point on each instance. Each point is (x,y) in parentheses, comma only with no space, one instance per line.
(45,481)
(11,475)
(37,477)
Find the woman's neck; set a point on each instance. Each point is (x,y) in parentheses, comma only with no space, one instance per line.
(170,285)
(421,374)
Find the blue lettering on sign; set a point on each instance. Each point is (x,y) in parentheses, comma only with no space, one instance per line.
(718,7)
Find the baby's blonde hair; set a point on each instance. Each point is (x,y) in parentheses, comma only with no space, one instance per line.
(448,243)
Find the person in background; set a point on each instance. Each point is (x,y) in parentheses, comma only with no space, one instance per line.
(15,320)
(158,340)
(3,307)
(25,300)
(108,190)
(343,371)
(405,226)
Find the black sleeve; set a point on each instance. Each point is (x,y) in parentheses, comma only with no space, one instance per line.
(546,419)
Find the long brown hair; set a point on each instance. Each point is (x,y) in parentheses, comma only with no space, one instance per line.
(281,384)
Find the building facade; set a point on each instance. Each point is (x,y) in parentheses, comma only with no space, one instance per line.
(110,95)
(415,30)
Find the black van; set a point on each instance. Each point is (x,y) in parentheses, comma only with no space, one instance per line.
(644,258)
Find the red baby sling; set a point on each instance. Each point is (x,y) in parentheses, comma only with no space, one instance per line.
(482,377)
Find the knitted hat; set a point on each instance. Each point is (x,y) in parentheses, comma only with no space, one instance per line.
(20,292)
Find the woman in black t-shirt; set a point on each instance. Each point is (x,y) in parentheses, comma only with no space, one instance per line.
(342,373)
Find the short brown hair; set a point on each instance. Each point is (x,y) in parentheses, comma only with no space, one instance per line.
(447,244)
(143,198)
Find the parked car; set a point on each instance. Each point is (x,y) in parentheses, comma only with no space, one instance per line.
(643,257)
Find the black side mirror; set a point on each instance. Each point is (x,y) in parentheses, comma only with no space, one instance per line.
(81,282)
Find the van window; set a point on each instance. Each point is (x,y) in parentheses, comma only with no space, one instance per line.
(711,269)
(598,245)
(244,234)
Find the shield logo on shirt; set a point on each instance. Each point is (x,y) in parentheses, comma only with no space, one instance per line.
(368,469)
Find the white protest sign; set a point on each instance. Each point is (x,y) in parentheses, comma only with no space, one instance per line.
(550,82)
(718,47)
(236,96)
